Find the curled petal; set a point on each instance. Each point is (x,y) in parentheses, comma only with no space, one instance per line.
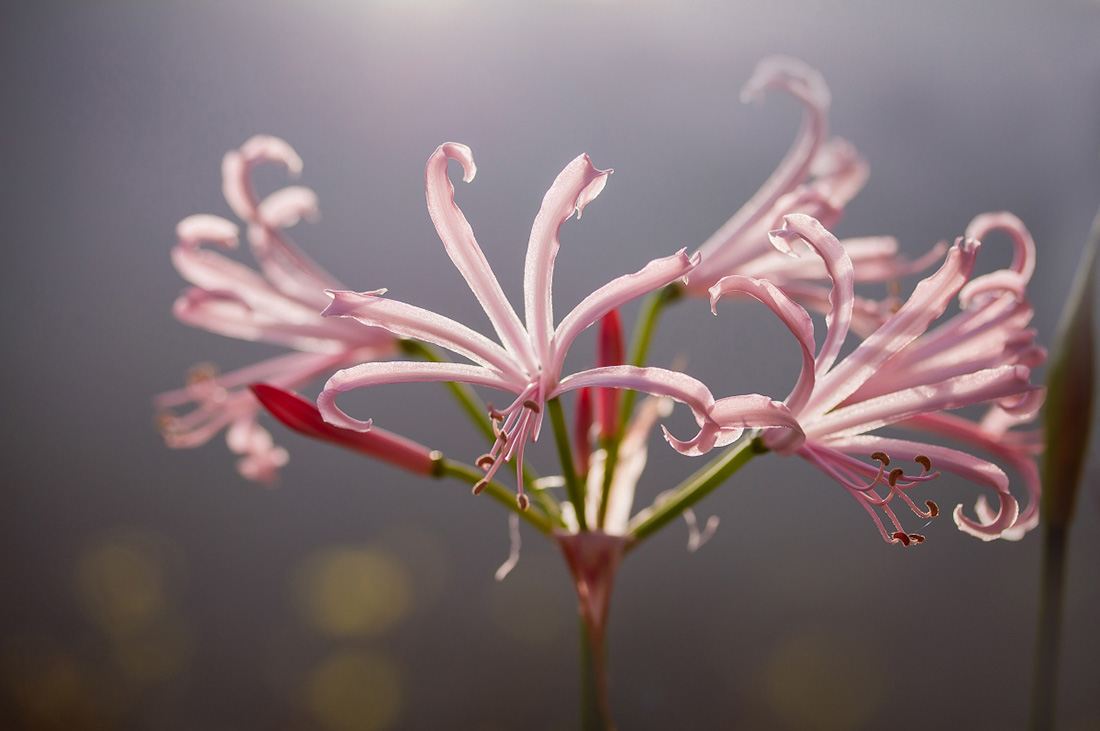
(617,292)
(839,267)
(408,321)
(928,301)
(1023,258)
(373,374)
(237,171)
(203,228)
(286,207)
(576,186)
(458,239)
(793,316)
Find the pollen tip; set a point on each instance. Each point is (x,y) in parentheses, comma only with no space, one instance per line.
(479,486)
(894,475)
(485,461)
(924,462)
(902,538)
(523,501)
(916,538)
(533,405)
(881,457)
(933,509)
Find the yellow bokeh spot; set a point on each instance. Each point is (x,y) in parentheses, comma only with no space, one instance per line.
(348,592)
(821,682)
(121,585)
(356,691)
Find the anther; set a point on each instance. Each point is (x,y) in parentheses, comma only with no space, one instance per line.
(881,457)
(523,501)
(485,461)
(924,462)
(479,486)
(902,538)
(894,475)
(933,509)
(916,538)
(494,414)
(533,405)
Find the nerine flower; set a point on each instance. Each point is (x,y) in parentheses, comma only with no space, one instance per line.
(281,304)
(818,177)
(906,374)
(528,360)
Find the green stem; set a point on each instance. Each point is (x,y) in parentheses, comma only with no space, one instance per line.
(595,715)
(501,494)
(693,489)
(569,472)
(640,342)
(1048,636)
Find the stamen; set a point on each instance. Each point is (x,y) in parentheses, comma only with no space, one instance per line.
(485,461)
(523,501)
(902,537)
(933,509)
(924,462)
(881,457)
(494,414)
(479,486)
(894,475)
(201,373)
(916,538)
(167,423)
(533,405)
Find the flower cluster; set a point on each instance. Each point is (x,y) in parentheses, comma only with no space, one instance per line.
(915,365)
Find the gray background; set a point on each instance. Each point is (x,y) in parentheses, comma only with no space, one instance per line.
(147,588)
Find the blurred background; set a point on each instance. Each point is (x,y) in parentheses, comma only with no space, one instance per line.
(146,588)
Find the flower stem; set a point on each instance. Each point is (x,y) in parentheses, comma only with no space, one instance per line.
(565,452)
(595,715)
(501,494)
(693,489)
(1048,636)
(640,342)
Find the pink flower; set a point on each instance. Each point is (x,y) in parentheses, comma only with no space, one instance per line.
(906,374)
(528,360)
(281,304)
(818,177)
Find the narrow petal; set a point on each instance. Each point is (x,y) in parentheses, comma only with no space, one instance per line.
(1023,257)
(617,292)
(458,239)
(807,85)
(203,228)
(793,316)
(237,171)
(839,267)
(972,388)
(577,185)
(374,374)
(928,301)
(408,321)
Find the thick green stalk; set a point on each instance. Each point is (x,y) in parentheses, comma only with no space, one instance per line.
(1045,678)
(565,452)
(501,494)
(595,715)
(693,489)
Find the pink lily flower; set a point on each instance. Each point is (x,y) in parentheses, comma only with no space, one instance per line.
(528,360)
(818,177)
(281,304)
(906,374)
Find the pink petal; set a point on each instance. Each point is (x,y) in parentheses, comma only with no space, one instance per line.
(617,292)
(839,267)
(928,301)
(1023,258)
(203,228)
(237,171)
(794,317)
(458,238)
(373,374)
(408,321)
(576,186)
